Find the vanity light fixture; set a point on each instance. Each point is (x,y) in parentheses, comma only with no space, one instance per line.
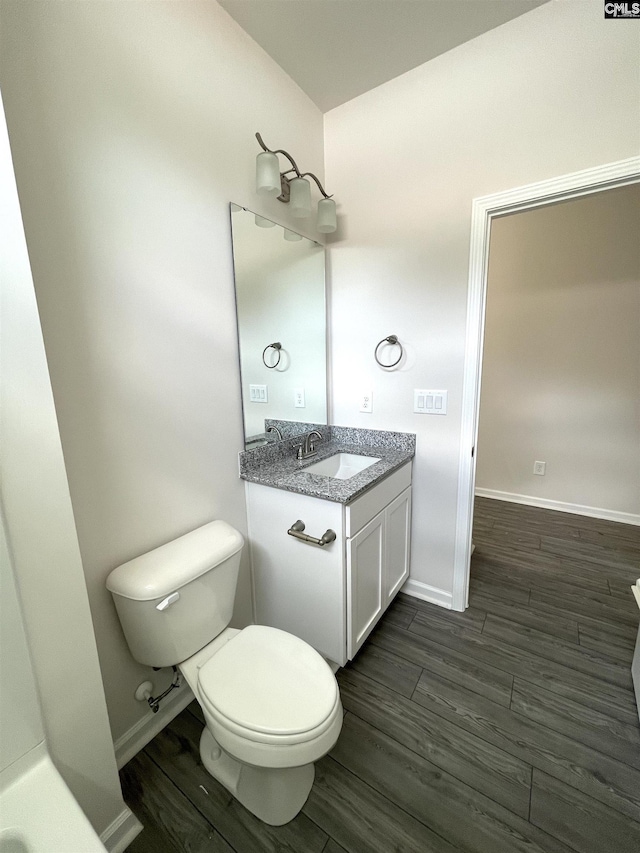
(293,186)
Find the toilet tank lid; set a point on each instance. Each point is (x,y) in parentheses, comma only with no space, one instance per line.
(171,566)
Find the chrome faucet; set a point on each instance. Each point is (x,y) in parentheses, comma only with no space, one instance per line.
(276,430)
(308,449)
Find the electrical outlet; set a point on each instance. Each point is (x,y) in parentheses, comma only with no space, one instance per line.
(366,401)
(298,398)
(539,468)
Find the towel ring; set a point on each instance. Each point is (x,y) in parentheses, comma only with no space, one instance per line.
(392,339)
(277,347)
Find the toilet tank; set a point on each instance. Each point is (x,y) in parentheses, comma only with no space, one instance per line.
(175,599)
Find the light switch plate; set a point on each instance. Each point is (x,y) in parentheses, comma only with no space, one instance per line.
(429,402)
(258,394)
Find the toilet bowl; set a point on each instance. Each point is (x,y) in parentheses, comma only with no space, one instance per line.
(272,709)
(271,703)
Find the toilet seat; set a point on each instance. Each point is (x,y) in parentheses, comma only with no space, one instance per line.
(269,687)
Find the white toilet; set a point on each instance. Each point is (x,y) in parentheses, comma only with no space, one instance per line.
(271,702)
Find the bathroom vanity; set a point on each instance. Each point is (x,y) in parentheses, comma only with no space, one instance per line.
(355,483)
(330,595)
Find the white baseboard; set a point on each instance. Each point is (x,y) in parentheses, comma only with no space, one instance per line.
(428,593)
(560,506)
(121,832)
(148,727)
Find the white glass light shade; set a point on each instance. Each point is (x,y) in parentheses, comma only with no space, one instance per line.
(261,222)
(300,199)
(267,173)
(291,236)
(326,215)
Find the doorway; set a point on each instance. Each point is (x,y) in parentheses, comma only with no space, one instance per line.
(484,212)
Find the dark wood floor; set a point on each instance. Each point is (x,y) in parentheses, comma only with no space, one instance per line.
(510,727)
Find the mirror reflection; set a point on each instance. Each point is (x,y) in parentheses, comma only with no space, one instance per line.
(280,303)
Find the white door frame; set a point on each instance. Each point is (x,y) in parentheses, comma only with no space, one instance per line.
(484,209)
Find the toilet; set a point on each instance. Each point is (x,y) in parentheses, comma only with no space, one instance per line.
(271,702)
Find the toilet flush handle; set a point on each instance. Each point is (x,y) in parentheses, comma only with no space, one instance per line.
(169,600)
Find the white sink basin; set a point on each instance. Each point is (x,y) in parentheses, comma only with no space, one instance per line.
(341,466)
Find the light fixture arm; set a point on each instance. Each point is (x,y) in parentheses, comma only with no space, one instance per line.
(279,151)
(320,187)
(293,163)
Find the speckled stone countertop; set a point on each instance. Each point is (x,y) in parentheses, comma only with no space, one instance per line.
(276,465)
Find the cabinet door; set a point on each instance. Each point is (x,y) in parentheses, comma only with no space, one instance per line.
(397,544)
(365,578)
(298,587)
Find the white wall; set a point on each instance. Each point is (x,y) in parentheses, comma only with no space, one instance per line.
(20,723)
(561,368)
(133,128)
(552,92)
(43,550)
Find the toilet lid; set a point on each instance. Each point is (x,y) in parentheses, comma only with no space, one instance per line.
(269,681)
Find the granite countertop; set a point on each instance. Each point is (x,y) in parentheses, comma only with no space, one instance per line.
(277,466)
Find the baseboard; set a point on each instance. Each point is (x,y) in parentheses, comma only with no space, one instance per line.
(121,832)
(148,727)
(428,593)
(560,506)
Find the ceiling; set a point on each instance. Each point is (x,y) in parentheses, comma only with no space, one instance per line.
(338,49)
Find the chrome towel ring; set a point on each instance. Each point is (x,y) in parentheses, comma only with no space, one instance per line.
(392,339)
(277,347)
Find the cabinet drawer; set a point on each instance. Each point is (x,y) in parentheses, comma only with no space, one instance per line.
(368,505)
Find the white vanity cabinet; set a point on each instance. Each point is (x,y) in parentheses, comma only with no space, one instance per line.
(330,596)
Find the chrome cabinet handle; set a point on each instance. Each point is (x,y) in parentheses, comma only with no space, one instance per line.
(297,528)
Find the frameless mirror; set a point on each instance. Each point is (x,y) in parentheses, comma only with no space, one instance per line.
(281,311)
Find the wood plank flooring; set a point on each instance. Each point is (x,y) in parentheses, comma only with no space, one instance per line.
(509,728)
